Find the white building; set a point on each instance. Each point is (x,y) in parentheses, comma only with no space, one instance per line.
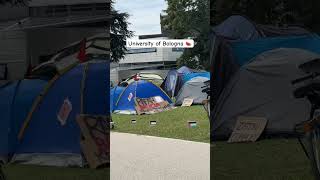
(31,34)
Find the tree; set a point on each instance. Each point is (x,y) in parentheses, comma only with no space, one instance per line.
(14,2)
(119,32)
(276,12)
(189,19)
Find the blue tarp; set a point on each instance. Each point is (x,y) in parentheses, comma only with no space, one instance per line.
(246,50)
(141,89)
(184,70)
(188,77)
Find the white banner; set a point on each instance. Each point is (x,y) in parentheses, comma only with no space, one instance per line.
(163,43)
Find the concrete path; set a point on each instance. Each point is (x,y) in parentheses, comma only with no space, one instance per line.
(136,157)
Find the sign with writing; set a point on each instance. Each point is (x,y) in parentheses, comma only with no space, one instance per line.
(248,129)
(95,142)
(64,112)
(151,105)
(192,124)
(187,102)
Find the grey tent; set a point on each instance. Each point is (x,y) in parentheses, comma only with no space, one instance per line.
(192,89)
(262,88)
(233,30)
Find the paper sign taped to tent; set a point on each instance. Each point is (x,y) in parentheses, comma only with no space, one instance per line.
(248,129)
(64,112)
(151,105)
(95,143)
(187,102)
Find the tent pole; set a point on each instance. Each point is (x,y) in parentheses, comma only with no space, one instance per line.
(83,84)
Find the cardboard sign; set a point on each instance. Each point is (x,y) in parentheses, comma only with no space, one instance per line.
(64,112)
(187,102)
(95,142)
(151,105)
(248,129)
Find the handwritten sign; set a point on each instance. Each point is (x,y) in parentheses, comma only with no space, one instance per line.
(64,112)
(95,143)
(187,102)
(151,105)
(248,129)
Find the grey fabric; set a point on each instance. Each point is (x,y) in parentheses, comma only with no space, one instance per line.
(263,88)
(237,28)
(192,89)
(59,160)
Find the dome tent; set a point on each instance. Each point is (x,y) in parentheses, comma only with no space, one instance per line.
(192,89)
(174,80)
(262,88)
(43,139)
(141,89)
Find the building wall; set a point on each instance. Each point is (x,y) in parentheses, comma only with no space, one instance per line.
(9,12)
(48,41)
(13,52)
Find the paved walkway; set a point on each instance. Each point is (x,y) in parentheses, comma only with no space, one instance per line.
(136,157)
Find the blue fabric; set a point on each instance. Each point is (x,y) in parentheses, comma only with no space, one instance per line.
(114,96)
(16,101)
(7,94)
(140,89)
(245,51)
(96,97)
(170,82)
(184,70)
(188,77)
(44,133)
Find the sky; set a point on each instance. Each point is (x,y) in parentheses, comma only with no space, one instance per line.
(144,15)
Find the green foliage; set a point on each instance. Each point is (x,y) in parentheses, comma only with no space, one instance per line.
(189,19)
(276,12)
(14,2)
(119,32)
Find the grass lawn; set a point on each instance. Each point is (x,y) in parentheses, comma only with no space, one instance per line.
(270,159)
(170,124)
(24,172)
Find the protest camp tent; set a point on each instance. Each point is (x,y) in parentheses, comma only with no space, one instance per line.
(114,95)
(192,89)
(262,88)
(16,100)
(43,139)
(236,30)
(190,76)
(141,89)
(174,80)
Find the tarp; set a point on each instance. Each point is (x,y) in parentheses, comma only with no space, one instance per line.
(45,137)
(140,89)
(262,88)
(192,89)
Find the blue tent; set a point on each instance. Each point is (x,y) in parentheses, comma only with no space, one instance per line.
(114,95)
(140,89)
(44,135)
(16,100)
(190,76)
(174,80)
